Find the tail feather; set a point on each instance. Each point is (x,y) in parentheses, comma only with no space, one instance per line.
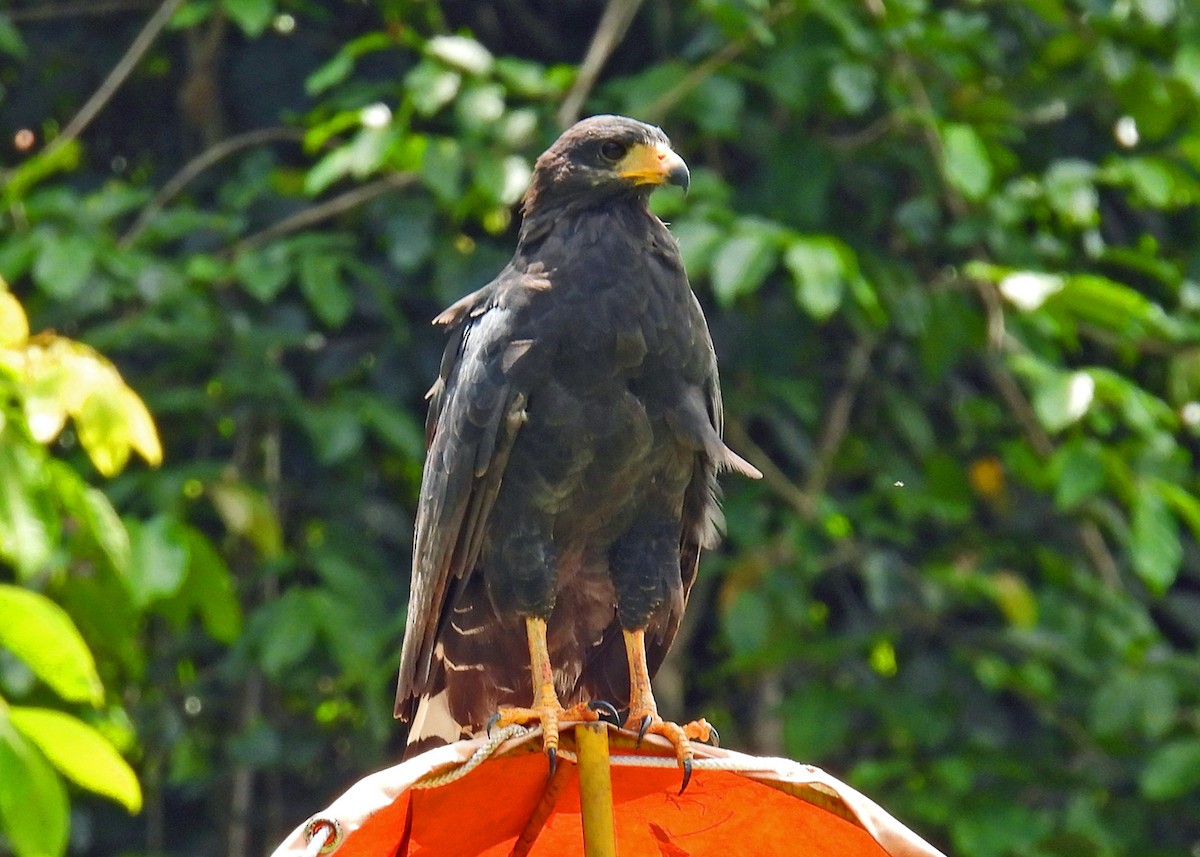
(434,725)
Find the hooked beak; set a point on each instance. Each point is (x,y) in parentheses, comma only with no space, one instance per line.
(654,165)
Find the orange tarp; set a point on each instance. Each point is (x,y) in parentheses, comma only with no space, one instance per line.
(776,808)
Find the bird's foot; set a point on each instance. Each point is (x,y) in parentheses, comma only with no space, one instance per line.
(551,716)
(681,737)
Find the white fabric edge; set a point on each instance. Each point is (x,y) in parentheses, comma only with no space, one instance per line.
(379,790)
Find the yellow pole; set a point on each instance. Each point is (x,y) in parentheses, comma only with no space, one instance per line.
(595,790)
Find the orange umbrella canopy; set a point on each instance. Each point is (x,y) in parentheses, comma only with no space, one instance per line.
(735,805)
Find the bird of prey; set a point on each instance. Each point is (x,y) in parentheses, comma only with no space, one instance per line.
(574,439)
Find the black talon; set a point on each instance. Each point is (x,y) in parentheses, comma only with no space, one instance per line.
(492,721)
(714,737)
(553,756)
(687,775)
(642,729)
(606,710)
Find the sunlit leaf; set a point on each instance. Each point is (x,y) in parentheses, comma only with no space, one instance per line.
(64,265)
(819,270)
(288,627)
(210,586)
(29,524)
(14,326)
(33,802)
(41,634)
(431,87)
(252,16)
(159,559)
(80,753)
(967,165)
(103,427)
(1172,770)
(323,286)
(246,512)
(1063,398)
(461,52)
(1154,540)
(741,264)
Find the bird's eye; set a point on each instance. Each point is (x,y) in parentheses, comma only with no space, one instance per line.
(612,150)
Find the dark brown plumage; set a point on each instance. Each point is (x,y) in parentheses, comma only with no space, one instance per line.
(574,437)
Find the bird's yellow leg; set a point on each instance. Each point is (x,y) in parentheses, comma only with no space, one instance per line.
(546,708)
(643,711)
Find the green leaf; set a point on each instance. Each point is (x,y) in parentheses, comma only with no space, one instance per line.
(264,272)
(41,634)
(210,587)
(330,74)
(288,627)
(747,622)
(246,512)
(252,16)
(967,165)
(93,510)
(159,559)
(1062,398)
(1080,471)
(442,168)
(431,87)
(80,753)
(11,42)
(29,525)
(698,242)
(741,264)
(1154,544)
(104,430)
(854,85)
(64,265)
(819,271)
(33,802)
(461,52)
(1071,191)
(322,285)
(1173,770)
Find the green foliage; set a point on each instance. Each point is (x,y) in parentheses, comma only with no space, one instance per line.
(948,254)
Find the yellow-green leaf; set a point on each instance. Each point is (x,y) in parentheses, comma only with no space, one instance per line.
(41,634)
(80,753)
(104,431)
(14,326)
(143,435)
(33,802)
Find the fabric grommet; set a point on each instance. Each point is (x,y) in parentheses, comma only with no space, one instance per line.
(324,836)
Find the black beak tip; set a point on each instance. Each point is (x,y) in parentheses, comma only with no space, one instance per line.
(679,176)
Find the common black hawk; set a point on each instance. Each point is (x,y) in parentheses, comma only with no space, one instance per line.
(574,440)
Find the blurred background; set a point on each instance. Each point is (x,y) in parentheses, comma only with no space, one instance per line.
(950,254)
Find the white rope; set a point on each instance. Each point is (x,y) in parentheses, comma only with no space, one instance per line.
(324,836)
(498,737)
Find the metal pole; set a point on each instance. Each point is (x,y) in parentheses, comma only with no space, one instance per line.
(595,790)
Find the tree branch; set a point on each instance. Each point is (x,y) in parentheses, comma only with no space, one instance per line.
(137,49)
(86,9)
(667,101)
(614,23)
(324,210)
(195,167)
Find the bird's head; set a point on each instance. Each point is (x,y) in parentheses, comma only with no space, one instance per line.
(603,157)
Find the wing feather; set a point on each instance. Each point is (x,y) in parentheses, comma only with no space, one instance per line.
(474,416)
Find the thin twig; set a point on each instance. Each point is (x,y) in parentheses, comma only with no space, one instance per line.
(137,49)
(773,477)
(87,9)
(667,101)
(324,210)
(837,421)
(195,167)
(618,15)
